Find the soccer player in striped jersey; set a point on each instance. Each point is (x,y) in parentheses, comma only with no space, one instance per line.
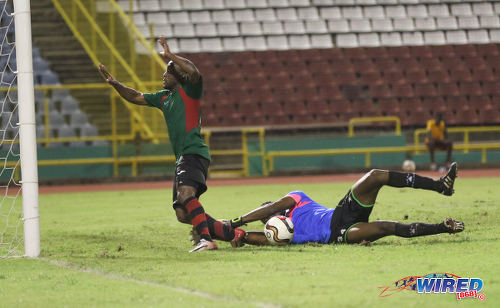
(348,222)
(180,103)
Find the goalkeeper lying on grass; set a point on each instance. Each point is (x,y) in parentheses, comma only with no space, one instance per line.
(348,222)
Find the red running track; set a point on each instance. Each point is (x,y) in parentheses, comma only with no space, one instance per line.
(351,177)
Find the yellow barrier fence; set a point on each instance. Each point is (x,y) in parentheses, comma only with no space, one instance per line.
(466,130)
(81,18)
(270,156)
(354,121)
(110,133)
(134,161)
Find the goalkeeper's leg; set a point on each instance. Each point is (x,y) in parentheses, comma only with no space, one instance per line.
(371,231)
(366,189)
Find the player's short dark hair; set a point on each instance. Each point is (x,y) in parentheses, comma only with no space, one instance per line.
(171,69)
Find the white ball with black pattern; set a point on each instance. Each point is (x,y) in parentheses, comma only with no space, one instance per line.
(279,230)
(408,166)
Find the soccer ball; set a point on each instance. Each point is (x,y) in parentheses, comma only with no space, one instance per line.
(408,165)
(279,230)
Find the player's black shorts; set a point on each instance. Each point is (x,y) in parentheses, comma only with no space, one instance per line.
(191,170)
(348,213)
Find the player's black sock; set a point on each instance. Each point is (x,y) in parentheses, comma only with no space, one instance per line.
(219,230)
(198,217)
(418,229)
(401,179)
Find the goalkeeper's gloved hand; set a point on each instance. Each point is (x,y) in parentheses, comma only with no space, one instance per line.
(234,223)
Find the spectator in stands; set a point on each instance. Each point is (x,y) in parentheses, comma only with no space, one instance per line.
(437,138)
(180,104)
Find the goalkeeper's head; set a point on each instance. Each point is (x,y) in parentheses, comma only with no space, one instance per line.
(173,76)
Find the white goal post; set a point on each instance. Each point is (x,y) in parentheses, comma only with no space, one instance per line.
(27,128)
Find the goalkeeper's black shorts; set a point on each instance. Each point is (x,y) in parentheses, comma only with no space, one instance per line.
(347,214)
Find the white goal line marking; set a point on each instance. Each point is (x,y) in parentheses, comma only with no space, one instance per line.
(71,266)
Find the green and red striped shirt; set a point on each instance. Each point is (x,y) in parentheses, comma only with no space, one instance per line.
(182,114)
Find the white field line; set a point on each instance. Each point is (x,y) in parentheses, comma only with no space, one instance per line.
(70,266)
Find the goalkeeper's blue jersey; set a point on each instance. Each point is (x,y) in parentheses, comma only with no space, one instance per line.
(311,220)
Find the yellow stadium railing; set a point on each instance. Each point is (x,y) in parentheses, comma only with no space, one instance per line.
(134,161)
(73,12)
(115,138)
(466,130)
(270,156)
(354,121)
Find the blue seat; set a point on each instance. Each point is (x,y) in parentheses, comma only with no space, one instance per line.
(3,63)
(35,52)
(8,119)
(78,119)
(56,119)
(40,65)
(12,62)
(64,131)
(68,105)
(89,130)
(49,77)
(60,94)
(9,78)
(7,17)
(6,48)
(13,95)
(40,131)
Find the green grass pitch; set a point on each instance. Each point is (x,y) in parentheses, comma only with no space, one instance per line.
(126,249)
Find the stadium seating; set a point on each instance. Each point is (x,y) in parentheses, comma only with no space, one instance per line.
(329,85)
(60,103)
(309,61)
(341,23)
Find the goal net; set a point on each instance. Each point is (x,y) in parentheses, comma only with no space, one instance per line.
(19,233)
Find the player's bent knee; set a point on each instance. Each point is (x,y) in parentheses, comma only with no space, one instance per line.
(185,192)
(182,216)
(183,219)
(377,175)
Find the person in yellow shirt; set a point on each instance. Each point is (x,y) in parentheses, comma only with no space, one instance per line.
(437,138)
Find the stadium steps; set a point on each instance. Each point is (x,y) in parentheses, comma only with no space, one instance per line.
(142,66)
(72,64)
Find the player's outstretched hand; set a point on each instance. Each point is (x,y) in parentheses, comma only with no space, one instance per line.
(107,76)
(233,223)
(166,50)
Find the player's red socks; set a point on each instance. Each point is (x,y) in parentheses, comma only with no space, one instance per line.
(219,230)
(198,217)
(400,179)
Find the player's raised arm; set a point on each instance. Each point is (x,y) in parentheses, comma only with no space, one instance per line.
(186,67)
(131,95)
(264,211)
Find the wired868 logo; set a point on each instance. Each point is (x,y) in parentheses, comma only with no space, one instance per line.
(438,283)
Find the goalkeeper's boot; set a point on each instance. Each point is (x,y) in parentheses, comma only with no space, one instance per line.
(447,181)
(203,244)
(452,226)
(239,235)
